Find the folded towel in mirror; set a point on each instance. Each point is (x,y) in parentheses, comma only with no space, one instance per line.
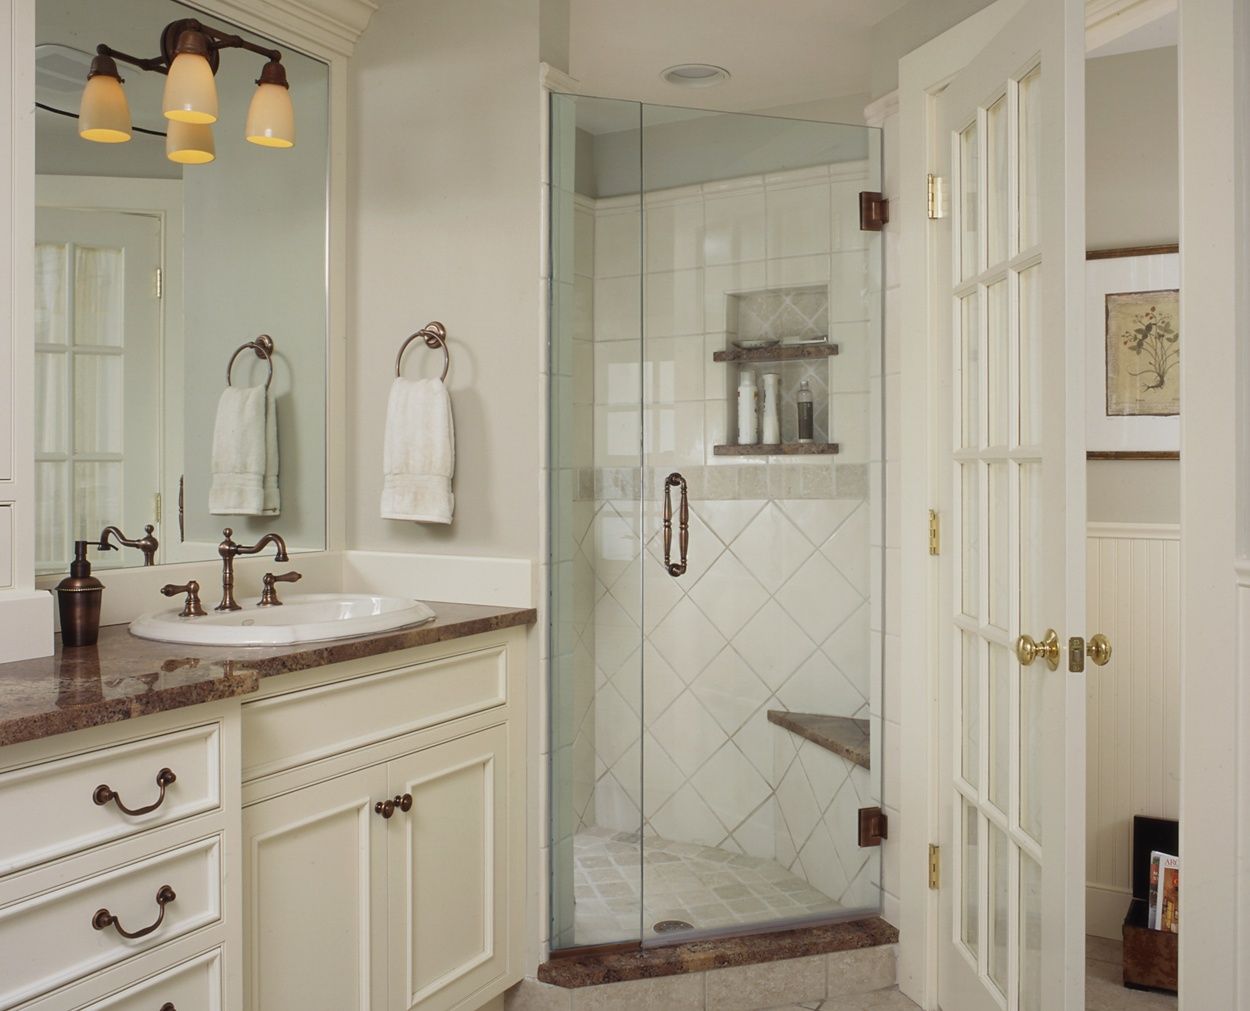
(245,454)
(418,452)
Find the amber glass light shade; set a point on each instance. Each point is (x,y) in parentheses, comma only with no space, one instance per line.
(190,143)
(104,114)
(271,116)
(190,91)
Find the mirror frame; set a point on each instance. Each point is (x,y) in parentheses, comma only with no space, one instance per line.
(323,29)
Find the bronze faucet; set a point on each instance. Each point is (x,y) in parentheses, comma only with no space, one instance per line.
(228,549)
(269,591)
(147,543)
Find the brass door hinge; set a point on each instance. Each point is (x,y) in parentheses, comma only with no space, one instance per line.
(937,197)
(160,283)
(935,533)
(157,507)
(935,867)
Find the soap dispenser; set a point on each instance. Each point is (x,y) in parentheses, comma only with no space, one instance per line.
(78,596)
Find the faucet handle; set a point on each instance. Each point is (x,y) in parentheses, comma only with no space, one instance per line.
(268,593)
(192,607)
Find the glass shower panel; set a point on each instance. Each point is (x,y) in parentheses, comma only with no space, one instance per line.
(597,567)
(716,713)
(757,757)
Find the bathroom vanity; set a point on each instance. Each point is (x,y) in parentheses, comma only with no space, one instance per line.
(328,826)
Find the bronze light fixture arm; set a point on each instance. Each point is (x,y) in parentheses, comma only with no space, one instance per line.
(214,41)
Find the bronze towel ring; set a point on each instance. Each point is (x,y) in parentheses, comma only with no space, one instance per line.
(263,346)
(435,336)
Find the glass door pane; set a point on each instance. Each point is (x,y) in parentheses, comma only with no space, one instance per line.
(754,269)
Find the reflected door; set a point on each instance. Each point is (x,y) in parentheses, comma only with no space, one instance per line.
(1012,926)
(97,377)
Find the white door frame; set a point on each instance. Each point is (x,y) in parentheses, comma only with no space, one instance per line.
(921,73)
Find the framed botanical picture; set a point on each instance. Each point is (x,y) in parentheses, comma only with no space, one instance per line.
(1134,348)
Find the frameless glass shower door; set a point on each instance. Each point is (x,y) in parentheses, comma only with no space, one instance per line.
(715,507)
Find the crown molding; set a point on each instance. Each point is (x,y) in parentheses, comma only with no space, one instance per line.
(320,25)
(554,79)
(880,109)
(1107,20)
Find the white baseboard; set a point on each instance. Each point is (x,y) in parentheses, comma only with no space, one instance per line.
(505,582)
(1105,908)
(25,625)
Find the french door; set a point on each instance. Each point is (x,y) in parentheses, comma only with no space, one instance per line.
(1007,287)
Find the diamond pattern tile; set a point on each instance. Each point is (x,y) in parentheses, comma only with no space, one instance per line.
(688,733)
(772,547)
(730,690)
(731,786)
(819,598)
(727,518)
(773,644)
(818,518)
(845,549)
(687,640)
(729,595)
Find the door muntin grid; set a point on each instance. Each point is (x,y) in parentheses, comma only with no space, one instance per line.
(996,468)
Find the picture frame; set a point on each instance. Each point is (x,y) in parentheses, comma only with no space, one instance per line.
(1132,353)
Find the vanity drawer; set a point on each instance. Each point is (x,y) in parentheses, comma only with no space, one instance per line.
(285,731)
(194,985)
(52,939)
(49,810)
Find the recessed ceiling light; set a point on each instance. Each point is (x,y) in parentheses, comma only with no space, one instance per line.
(695,75)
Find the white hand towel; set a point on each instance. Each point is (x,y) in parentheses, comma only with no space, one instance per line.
(240,455)
(271,504)
(419,452)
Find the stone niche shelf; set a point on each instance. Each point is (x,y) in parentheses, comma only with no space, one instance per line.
(778,449)
(776,353)
(843,735)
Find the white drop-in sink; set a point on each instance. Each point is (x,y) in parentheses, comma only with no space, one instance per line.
(309,617)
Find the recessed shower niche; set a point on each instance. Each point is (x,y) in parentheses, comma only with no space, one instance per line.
(783,331)
(715,701)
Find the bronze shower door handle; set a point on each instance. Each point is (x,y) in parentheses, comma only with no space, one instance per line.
(676,569)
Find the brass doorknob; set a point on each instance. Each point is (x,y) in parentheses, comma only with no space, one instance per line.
(1098,649)
(1028,649)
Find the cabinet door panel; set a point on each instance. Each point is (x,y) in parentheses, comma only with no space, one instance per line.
(315,925)
(448,872)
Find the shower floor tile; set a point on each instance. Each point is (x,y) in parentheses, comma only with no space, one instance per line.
(707,887)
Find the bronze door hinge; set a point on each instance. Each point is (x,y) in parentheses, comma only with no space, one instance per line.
(874,211)
(935,867)
(873,826)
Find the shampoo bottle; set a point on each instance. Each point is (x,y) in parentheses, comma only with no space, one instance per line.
(748,422)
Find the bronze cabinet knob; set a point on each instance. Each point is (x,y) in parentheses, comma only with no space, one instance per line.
(401,802)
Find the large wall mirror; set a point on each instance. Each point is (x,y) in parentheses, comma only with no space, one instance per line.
(151,272)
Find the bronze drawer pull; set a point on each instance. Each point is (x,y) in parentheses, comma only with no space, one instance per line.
(676,569)
(103,794)
(103,919)
(386,808)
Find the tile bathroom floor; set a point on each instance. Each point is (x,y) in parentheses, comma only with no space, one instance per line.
(702,885)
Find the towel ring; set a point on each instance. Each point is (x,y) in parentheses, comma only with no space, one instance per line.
(435,336)
(263,346)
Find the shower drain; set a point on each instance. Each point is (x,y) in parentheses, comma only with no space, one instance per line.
(668,926)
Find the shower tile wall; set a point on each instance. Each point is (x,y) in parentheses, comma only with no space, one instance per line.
(774,612)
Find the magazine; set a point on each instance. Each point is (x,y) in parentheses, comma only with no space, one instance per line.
(1169,894)
(1152,903)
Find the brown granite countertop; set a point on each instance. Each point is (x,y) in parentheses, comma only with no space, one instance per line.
(123,676)
(613,966)
(843,735)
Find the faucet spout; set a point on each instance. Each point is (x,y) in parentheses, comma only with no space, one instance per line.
(147,543)
(228,549)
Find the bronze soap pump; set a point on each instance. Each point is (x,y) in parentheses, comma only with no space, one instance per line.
(78,598)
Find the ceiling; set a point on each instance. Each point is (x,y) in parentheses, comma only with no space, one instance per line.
(780,52)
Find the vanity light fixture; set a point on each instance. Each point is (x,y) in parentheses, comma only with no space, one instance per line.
(190,54)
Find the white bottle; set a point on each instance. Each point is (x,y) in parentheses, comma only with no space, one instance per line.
(772,409)
(748,423)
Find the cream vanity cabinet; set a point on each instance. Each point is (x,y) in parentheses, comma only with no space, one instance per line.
(383,830)
(116,850)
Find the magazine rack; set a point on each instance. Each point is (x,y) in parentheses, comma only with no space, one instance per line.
(1149,955)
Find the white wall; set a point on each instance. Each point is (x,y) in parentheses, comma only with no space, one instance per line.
(445,224)
(1132,199)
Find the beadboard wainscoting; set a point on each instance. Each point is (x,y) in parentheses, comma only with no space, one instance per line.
(1133,714)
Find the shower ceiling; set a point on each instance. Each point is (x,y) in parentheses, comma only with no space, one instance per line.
(780,52)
